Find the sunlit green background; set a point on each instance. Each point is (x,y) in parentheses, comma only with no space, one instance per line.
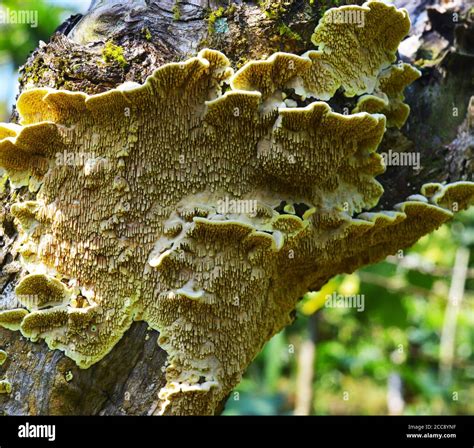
(392,358)
(17,41)
(408,352)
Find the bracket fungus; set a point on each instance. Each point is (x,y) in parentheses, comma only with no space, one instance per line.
(387,97)
(3,357)
(139,231)
(5,387)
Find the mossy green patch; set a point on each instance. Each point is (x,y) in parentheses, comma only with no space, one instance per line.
(147,34)
(114,53)
(34,72)
(215,18)
(286,31)
(176,11)
(274,10)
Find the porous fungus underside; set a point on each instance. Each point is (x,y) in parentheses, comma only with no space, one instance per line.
(143,230)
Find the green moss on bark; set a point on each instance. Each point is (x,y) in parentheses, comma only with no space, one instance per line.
(114,53)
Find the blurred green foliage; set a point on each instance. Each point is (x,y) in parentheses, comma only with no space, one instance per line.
(18,40)
(357,353)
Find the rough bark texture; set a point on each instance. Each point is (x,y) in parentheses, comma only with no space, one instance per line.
(438,126)
(127,381)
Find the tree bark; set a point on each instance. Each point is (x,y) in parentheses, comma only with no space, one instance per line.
(150,34)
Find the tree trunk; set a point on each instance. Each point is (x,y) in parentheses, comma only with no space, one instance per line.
(145,36)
